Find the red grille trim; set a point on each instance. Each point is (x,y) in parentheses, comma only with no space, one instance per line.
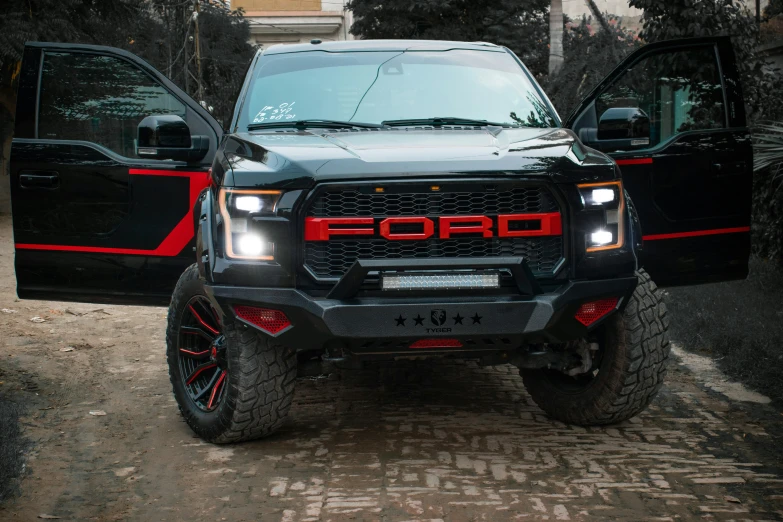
(437,343)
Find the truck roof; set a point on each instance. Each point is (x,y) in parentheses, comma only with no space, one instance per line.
(379,45)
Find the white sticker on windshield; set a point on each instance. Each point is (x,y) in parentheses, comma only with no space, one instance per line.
(271,113)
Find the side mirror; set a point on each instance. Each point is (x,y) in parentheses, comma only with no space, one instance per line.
(167,136)
(625,123)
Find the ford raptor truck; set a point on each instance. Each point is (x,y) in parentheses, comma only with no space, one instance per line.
(377,200)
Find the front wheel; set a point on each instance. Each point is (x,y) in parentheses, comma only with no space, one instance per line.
(628,372)
(231,383)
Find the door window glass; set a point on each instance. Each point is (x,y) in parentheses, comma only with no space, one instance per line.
(100,99)
(679,91)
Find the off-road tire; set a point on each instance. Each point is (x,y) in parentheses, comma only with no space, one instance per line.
(631,371)
(261,376)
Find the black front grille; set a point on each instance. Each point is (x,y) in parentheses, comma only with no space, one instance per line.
(333,258)
(353,202)
(329,260)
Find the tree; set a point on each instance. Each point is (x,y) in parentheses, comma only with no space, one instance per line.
(156,30)
(520,25)
(693,18)
(589,57)
(225,51)
(774,8)
(555,36)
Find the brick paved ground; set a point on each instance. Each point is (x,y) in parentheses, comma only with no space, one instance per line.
(408,441)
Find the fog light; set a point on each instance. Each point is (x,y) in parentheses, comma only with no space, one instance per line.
(250,245)
(271,321)
(440,281)
(601,237)
(591,312)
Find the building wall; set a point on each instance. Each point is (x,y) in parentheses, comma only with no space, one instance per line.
(294,21)
(277,5)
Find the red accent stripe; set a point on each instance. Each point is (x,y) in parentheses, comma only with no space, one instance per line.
(200,320)
(635,161)
(697,233)
(437,343)
(215,389)
(189,352)
(198,372)
(171,245)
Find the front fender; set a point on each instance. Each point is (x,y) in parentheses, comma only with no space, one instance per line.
(634,230)
(205,227)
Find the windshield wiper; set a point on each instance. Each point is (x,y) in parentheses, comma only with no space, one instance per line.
(444,121)
(305,124)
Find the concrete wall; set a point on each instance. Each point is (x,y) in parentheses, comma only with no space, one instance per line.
(295,21)
(277,5)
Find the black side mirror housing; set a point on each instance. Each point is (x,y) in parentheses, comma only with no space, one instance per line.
(167,136)
(624,123)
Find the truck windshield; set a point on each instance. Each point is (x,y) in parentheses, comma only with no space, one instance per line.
(372,87)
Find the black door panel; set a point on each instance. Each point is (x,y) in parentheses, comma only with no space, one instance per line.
(91,199)
(92,221)
(691,185)
(688,167)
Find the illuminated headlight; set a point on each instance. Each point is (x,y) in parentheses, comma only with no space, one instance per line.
(439,281)
(249,203)
(602,195)
(244,232)
(609,197)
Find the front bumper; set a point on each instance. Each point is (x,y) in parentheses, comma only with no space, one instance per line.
(391,325)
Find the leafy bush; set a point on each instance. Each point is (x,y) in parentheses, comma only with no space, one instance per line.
(588,59)
(156,30)
(520,25)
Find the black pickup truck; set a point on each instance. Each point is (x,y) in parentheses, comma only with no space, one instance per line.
(377,200)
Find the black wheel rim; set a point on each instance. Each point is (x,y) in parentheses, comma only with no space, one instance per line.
(201,354)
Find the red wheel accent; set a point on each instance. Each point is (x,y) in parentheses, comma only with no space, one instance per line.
(194,354)
(202,363)
(200,320)
(199,370)
(215,389)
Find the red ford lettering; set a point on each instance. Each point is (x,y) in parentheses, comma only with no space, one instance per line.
(421,227)
(320,229)
(550,225)
(428,228)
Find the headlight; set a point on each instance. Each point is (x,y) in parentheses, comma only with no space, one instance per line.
(608,196)
(244,233)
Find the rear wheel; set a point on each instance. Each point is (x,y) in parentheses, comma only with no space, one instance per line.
(629,366)
(231,383)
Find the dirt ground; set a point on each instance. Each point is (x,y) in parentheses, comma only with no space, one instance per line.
(397,442)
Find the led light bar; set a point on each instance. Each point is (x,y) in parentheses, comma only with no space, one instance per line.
(439,281)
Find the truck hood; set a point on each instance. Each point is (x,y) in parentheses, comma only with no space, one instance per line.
(299,159)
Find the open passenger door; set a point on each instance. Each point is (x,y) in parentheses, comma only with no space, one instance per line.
(107,161)
(672,116)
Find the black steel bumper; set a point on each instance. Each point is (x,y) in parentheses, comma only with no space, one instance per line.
(392,324)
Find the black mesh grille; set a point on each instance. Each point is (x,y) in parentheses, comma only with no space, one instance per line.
(351,202)
(331,259)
